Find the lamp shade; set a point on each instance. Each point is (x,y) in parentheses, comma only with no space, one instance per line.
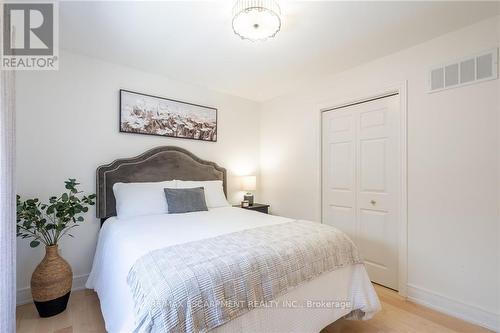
(248,183)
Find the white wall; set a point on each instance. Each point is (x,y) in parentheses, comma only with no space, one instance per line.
(67,125)
(453,167)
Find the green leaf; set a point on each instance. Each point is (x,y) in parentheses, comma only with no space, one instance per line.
(60,213)
(34,243)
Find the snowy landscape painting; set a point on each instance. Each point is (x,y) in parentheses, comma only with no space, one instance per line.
(146,114)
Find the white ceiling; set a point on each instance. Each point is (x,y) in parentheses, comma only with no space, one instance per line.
(193,42)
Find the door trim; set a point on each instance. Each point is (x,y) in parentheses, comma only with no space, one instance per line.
(401,89)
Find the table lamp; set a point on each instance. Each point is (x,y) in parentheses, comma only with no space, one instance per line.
(248,183)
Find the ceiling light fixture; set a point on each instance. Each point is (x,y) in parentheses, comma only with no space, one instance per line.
(256,19)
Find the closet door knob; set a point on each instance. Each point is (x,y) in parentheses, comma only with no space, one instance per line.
(373,202)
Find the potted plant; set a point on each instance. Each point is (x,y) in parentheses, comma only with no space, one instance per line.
(47,223)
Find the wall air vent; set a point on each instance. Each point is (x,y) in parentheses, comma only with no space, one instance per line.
(473,69)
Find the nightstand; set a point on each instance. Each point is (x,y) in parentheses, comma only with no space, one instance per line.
(256,207)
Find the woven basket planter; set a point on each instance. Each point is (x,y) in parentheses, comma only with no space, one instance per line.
(51,283)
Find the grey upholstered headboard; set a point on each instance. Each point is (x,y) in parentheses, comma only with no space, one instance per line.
(157,164)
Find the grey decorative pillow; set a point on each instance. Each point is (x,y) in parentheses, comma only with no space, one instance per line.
(185,200)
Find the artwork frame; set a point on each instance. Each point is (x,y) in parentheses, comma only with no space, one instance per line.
(146,114)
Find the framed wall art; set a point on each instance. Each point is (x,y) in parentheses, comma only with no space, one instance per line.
(153,115)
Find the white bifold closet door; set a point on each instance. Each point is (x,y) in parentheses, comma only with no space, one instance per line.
(361,181)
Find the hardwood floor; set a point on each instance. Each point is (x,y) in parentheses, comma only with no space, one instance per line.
(83,315)
(397,315)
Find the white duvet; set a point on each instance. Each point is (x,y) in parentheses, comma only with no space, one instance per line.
(122,242)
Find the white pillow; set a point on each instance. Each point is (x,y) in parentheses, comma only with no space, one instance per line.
(136,199)
(214,192)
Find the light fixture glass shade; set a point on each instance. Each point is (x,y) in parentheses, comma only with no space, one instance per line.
(248,183)
(256,19)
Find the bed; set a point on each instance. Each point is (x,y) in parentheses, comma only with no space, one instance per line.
(309,306)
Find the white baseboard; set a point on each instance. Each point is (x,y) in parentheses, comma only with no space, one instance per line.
(441,303)
(24,294)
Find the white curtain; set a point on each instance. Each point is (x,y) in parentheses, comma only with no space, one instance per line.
(7,204)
